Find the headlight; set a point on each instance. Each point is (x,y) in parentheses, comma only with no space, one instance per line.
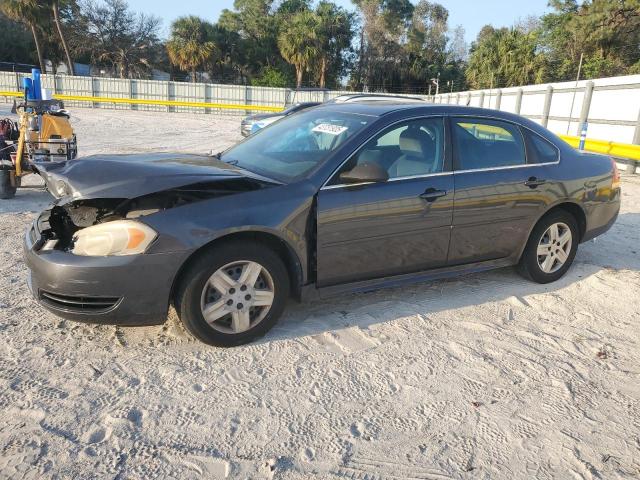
(60,189)
(121,237)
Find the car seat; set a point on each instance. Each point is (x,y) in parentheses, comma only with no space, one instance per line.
(418,154)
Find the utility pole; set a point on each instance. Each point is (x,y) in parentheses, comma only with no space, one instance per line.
(573,100)
(436,82)
(490,89)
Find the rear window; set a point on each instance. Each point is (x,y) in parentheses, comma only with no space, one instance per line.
(542,150)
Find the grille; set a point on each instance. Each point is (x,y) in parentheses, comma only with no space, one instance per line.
(78,304)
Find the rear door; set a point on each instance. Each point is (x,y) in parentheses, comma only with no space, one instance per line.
(500,190)
(399,226)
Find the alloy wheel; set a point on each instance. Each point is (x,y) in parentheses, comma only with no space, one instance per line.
(554,247)
(237,297)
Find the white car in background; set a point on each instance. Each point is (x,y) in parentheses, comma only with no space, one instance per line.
(253,123)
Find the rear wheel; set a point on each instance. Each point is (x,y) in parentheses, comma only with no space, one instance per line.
(551,248)
(7,184)
(232,293)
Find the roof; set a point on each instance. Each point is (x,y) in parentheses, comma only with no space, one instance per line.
(381,108)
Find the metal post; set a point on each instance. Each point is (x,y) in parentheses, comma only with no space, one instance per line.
(247,97)
(586,105)
(498,99)
(519,101)
(458,98)
(632,166)
(93,91)
(168,95)
(448,98)
(204,97)
(547,106)
(481,99)
(468,98)
(583,135)
(131,105)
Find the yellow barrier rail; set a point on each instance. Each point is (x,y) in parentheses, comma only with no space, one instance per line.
(621,150)
(164,103)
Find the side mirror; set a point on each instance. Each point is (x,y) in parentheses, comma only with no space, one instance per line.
(365,172)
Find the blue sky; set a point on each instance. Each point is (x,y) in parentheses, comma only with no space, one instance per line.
(471,14)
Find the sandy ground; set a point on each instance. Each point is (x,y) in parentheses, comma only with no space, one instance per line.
(483,376)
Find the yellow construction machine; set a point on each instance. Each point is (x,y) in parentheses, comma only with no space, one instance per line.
(42,133)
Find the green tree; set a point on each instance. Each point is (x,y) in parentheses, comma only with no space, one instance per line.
(229,55)
(505,57)
(16,42)
(30,13)
(54,6)
(298,42)
(117,37)
(382,53)
(606,32)
(334,34)
(189,47)
(257,26)
(270,77)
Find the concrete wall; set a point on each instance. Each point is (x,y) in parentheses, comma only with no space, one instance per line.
(613,113)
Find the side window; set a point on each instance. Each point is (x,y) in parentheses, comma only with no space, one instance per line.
(542,150)
(406,149)
(487,143)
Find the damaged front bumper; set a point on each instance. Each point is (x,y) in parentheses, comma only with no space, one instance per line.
(119,290)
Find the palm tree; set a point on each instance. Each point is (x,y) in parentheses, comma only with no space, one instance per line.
(334,35)
(298,42)
(29,13)
(189,48)
(54,5)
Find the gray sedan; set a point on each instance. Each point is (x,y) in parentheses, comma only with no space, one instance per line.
(340,198)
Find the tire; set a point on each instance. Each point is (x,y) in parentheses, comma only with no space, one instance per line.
(533,266)
(196,293)
(7,189)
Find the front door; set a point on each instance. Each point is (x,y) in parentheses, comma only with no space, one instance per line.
(373,230)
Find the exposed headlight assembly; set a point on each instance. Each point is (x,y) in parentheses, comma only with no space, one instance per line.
(120,237)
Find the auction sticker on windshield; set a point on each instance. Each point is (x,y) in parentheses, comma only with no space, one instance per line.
(329,128)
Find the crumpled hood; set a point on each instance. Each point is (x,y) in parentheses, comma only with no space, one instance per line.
(129,176)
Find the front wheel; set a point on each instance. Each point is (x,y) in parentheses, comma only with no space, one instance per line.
(551,248)
(232,293)
(7,184)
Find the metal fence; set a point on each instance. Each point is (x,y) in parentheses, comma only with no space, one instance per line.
(609,106)
(163,91)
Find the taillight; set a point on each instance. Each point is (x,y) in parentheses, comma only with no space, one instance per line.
(615,181)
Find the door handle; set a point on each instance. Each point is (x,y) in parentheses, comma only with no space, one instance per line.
(534,182)
(430,194)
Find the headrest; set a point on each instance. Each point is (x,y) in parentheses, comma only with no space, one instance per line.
(414,141)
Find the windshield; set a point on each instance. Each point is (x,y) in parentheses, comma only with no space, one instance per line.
(292,147)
